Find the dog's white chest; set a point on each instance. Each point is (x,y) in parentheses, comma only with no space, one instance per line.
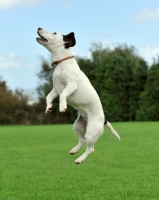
(58,82)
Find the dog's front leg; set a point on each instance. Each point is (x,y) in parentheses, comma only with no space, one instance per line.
(50,97)
(69,89)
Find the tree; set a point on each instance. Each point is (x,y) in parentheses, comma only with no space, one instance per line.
(149,99)
(6,103)
(14,108)
(119,76)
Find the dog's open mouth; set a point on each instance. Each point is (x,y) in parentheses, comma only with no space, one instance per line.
(42,38)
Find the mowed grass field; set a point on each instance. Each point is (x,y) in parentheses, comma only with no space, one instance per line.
(35,164)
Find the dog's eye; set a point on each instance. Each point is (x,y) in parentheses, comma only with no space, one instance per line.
(54,33)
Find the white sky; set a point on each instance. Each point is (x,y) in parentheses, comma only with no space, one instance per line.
(108,21)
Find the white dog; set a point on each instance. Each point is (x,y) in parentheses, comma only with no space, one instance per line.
(74,88)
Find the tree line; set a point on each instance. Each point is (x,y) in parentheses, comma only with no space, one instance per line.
(127,86)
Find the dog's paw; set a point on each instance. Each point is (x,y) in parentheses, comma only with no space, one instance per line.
(75,149)
(78,161)
(72,152)
(63,106)
(49,108)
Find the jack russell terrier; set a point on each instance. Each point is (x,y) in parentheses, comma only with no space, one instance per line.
(73,87)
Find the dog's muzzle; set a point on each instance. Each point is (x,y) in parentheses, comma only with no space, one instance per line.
(41,37)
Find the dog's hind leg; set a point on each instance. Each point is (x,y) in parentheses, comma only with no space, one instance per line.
(79,129)
(91,136)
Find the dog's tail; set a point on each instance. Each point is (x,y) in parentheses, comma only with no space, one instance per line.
(111,129)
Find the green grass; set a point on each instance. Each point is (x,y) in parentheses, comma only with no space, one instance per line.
(35,164)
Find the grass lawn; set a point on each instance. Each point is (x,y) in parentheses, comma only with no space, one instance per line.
(35,164)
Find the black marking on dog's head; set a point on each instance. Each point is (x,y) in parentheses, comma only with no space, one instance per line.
(69,40)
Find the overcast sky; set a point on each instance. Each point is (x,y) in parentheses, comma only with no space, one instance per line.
(108,21)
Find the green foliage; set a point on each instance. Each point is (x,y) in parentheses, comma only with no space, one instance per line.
(9,102)
(36,165)
(14,108)
(149,99)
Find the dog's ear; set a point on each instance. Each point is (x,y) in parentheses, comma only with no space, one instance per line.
(69,40)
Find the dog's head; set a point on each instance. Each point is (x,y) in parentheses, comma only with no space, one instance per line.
(55,40)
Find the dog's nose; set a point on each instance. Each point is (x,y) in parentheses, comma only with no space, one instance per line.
(40,29)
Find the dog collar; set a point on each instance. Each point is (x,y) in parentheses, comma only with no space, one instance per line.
(55,63)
